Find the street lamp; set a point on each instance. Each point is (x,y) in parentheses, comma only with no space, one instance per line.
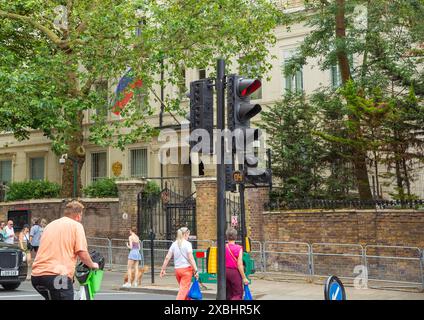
(62,161)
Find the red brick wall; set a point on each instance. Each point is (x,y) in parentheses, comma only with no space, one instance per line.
(255,200)
(386,227)
(101,218)
(206,209)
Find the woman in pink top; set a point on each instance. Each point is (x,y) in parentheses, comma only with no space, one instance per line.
(235,276)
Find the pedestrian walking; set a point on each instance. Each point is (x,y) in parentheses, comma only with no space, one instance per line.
(9,233)
(35,235)
(235,276)
(25,244)
(43,224)
(184,264)
(134,258)
(62,241)
(2,226)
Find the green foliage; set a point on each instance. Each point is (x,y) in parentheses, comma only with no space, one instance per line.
(378,114)
(33,189)
(48,73)
(297,153)
(102,188)
(152,188)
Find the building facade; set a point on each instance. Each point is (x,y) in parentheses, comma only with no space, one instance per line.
(33,159)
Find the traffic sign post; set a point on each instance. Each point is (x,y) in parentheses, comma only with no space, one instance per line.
(334,289)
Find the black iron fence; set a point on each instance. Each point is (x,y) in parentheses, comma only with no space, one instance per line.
(278,204)
(233,212)
(164,212)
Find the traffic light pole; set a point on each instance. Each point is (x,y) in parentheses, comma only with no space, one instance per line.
(221,219)
(242,213)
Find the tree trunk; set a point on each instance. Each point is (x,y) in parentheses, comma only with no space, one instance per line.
(399,181)
(359,155)
(76,140)
(406,176)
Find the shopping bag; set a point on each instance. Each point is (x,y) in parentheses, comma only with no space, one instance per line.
(195,293)
(247,294)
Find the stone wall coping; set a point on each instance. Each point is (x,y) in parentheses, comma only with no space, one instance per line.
(204,179)
(343,211)
(36,201)
(130,182)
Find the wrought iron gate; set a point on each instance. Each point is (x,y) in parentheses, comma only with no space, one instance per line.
(164,213)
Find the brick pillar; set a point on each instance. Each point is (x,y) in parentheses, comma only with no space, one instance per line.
(127,193)
(205,209)
(255,198)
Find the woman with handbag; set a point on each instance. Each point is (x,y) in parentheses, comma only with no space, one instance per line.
(25,245)
(235,276)
(185,266)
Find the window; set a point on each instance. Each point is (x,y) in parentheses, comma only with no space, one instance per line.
(36,168)
(5,171)
(138,158)
(202,74)
(182,82)
(201,169)
(293,82)
(98,165)
(101,88)
(336,77)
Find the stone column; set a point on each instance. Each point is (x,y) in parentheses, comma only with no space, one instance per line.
(255,199)
(127,193)
(205,209)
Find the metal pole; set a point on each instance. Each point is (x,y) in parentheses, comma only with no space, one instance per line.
(269,163)
(152,255)
(162,107)
(152,238)
(242,213)
(220,169)
(75,177)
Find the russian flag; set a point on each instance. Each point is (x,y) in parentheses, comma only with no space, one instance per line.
(125,90)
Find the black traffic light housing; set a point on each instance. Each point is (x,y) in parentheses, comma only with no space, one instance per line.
(201,108)
(239,112)
(239,108)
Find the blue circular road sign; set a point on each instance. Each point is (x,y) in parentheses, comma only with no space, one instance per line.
(334,289)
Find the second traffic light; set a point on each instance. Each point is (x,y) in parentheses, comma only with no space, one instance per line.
(239,108)
(201,109)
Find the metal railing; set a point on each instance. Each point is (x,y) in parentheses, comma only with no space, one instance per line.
(386,266)
(160,250)
(336,259)
(394,264)
(104,247)
(287,257)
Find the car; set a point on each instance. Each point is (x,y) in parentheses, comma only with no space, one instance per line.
(13,266)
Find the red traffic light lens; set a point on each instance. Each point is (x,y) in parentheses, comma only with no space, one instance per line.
(248,86)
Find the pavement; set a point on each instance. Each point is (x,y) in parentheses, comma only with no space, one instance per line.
(266,287)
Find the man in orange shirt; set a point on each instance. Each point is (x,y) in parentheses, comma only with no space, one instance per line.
(63,240)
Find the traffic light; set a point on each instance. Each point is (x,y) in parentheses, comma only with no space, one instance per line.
(253,174)
(239,112)
(201,108)
(230,185)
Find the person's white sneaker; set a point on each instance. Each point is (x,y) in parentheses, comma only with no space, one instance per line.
(135,284)
(127,285)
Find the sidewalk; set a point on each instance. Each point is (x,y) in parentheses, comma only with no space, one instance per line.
(263,289)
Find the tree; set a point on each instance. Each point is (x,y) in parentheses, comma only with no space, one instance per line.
(384,39)
(297,154)
(52,58)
